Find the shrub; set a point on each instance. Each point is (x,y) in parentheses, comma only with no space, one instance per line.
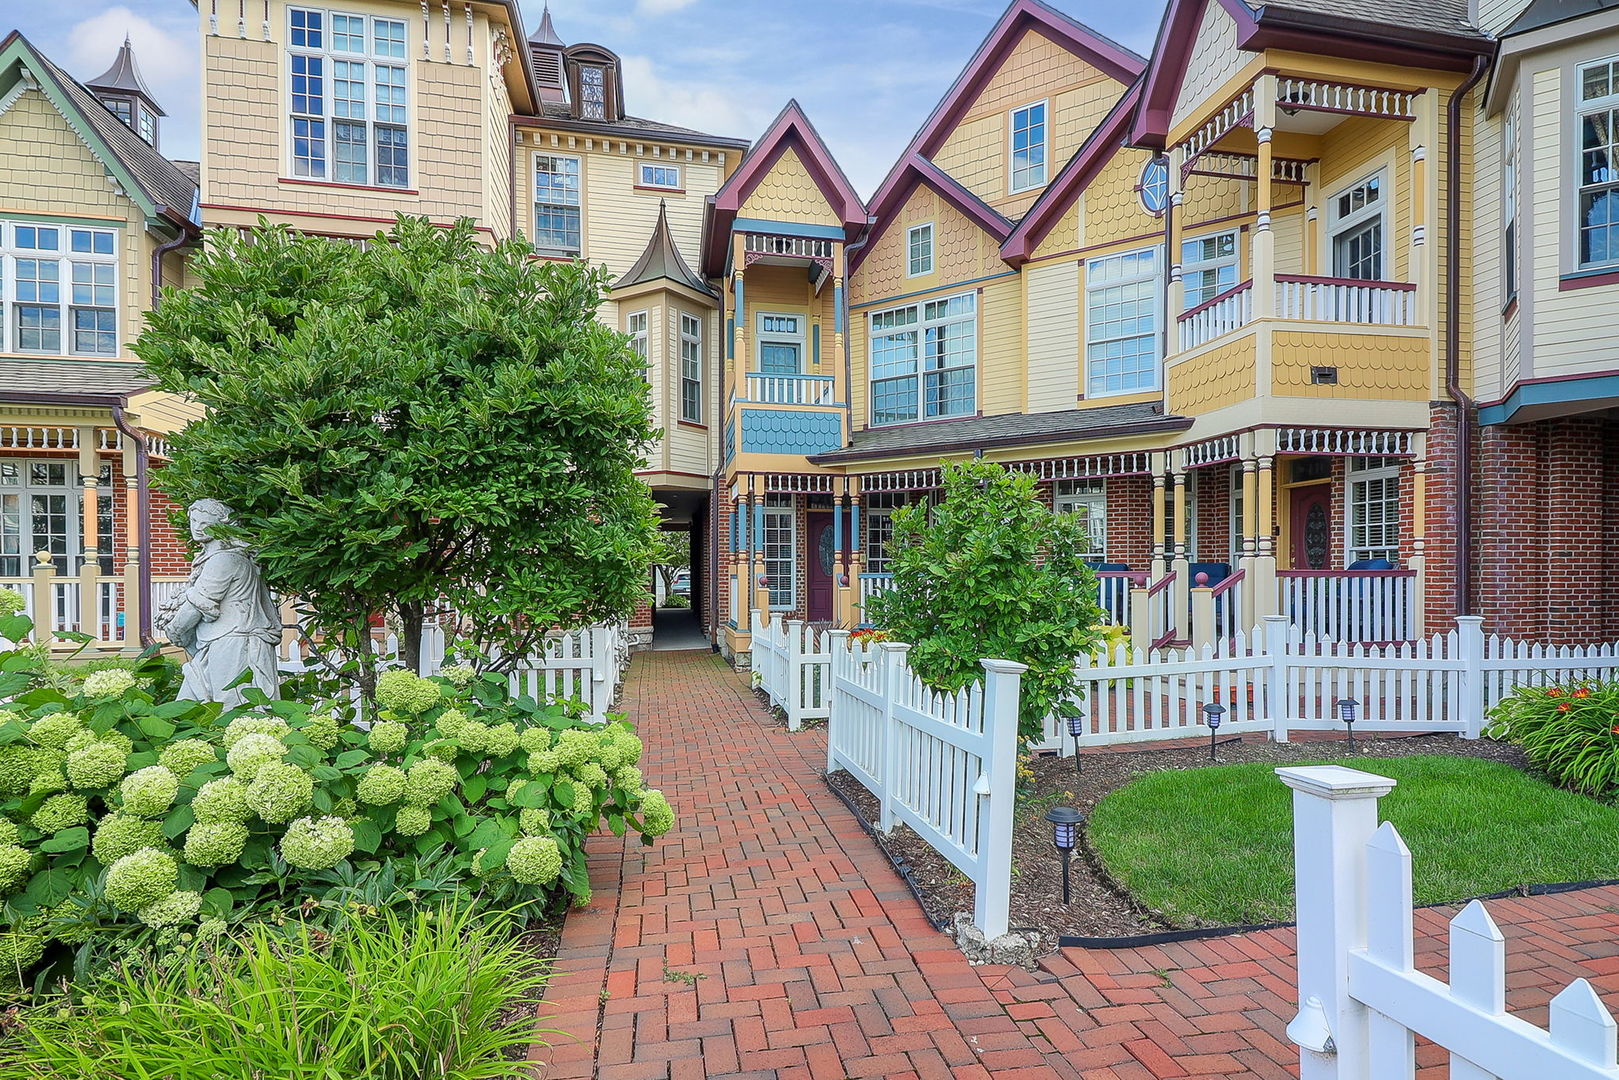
(990,572)
(120,816)
(1570,732)
(390,997)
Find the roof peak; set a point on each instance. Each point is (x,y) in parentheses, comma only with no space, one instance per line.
(547,32)
(124,76)
(662,260)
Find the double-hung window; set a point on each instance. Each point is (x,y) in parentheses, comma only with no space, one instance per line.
(1208,266)
(1359,230)
(879,530)
(1087,499)
(691,368)
(1028,147)
(924,360)
(1122,295)
(60,289)
(39,511)
(635,326)
(347,108)
(556,205)
(781,344)
(781,552)
(919,250)
(1598,172)
(1374,509)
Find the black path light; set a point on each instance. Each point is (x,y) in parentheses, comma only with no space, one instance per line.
(1347,710)
(1076,727)
(1213,713)
(1065,823)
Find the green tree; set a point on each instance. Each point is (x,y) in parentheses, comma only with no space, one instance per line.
(413,424)
(673,555)
(990,572)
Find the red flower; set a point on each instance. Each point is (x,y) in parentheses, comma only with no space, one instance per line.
(1564,707)
(1616,729)
(1554,691)
(1582,692)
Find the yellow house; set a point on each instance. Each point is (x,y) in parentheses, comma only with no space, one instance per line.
(93,221)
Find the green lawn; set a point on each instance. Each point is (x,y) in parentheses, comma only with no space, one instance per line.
(1215,845)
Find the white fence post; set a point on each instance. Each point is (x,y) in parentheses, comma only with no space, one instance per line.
(793,675)
(837,643)
(1334,816)
(1277,643)
(1003,680)
(895,673)
(1470,651)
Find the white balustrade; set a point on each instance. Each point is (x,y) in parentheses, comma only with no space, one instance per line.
(1342,300)
(789,389)
(1351,605)
(1226,312)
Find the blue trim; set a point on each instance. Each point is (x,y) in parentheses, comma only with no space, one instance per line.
(730,338)
(837,308)
(942,289)
(854,527)
(837,525)
(758,534)
(815,345)
(735,538)
(786,228)
(1562,392)
(790,431)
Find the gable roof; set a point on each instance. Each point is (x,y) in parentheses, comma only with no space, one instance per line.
(1065,187)
(791,130)
(1543,13)
(1105,54)
(159,187)
(917,170)
(662,260)
(1432,34)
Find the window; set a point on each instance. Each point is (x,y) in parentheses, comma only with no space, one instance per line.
(1088,499)
(122,108)
(592,92)
(919,250)
(1599,162)
(1208,266)
(56,300)
(347,102)
(691,368)
(661,176)
(556,205)
(148,128)
(1028,147)
(1374,509)
(1121,323)
(1358,230)
(1237,510)
(1155,186)
(781,344)
(1509,201)
(39,511)
(635,326)
(924,360)
(781,553)
(878,524)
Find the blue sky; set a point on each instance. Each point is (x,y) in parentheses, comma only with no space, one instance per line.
(867,71)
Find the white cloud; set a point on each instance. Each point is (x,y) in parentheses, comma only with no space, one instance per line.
(168,61)
(661,7)
(737,110)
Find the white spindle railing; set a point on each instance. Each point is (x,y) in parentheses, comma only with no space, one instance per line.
(1351,605)
(871,585)
(1218,315)
(795,247)
(1113,594)
(789,389)
(1345,300)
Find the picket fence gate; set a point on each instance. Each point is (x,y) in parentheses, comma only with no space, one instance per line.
(790,669)
(1361,996)
(1278,679)
(944,764)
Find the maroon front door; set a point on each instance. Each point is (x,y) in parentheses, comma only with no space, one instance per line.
(822,551)
(1310,527)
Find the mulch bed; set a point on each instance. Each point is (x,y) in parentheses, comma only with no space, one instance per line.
(1101,908)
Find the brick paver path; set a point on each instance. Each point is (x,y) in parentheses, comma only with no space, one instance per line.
(766,936)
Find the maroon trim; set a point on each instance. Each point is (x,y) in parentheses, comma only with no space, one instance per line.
(659,190)
(1511,309)
(1308,279)
(692,424)
(1587,281)
(1161,584)
(348,187)
(1346,573)
(1136,577)
(320,214)
(1081,169)
(1176,36)
(1215,299)
(1139,427)
(917,171)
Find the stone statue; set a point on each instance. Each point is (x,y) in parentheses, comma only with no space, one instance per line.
(224,617)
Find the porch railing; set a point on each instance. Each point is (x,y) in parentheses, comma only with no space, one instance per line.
(1217,315)
(1351,605)
(795,247)
(1159,612)
(789,389)
(871,585)
(1113,593)
(1345,300)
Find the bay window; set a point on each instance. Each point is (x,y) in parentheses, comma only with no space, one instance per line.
(60,289)
(347,106)
(40,511)
(1208,266)
(924,360)
(1122,350)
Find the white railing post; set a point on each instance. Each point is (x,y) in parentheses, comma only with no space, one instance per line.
(895,673)
(1470,651)
(1202,616)
(601,661)
(1141,618)
(1003,681)
(793,675)
(1334,817)
(837,643)
(1277,643)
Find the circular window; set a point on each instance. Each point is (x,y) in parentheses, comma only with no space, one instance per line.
(1155,186)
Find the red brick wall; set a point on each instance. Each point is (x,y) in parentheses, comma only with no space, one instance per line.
(1509,535)
(1440,530)
(171,554)
(1129,521)
(1213,514)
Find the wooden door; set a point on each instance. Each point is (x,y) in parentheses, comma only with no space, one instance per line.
(1310,527)
(821,548)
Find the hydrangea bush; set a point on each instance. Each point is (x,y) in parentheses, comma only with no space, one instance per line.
(123,815)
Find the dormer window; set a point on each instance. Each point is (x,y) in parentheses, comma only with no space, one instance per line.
(592,92)
(595,83)
(122,90)
(148,124)
(122,108)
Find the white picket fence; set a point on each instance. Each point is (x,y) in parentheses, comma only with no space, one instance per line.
(790,668)
(944,764)
(1279,679)
(1362,999)
(580,665)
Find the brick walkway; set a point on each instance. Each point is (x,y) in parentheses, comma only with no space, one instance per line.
(767,937)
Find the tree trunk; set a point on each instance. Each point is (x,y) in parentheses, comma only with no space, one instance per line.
(410,635)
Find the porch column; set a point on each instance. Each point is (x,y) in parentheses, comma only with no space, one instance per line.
(840,556)
(1264,242)
(742,562)
(761,596)
(1263,581)
(1177,285)
(857,602)
(739,319)
(1416,558)
(44,586)
(89,534)
(1248,532)
(1416,264)
(1160,544)
(130,587)
(1180,549)
(840,300)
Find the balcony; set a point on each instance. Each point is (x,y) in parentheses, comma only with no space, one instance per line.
(786,389)
(1302,298)
(792,415)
